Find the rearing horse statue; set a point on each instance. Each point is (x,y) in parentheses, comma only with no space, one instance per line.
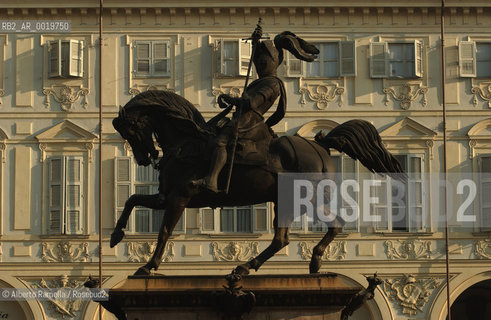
(185,137)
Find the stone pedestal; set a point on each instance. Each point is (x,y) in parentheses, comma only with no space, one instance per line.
(320,296)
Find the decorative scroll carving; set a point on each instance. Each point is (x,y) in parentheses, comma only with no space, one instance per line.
(235,92)
(472,146)
(336,250)
(3,146)
(406,95)
(408,249)
(57,306)
(42,147)
(411,293)
(429,144)
(142,251)
(234,251)
(66,96)
(484,93)
(322,94)
(139,89)
(483,249)
(64,252)
(2,93)
(89,146)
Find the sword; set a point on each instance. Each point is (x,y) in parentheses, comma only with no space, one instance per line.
(255,37)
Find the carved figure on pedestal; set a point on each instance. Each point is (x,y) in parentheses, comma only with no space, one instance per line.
(190,144)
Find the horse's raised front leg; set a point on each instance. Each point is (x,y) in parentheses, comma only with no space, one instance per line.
(154,201)
(173,211)
(316,261)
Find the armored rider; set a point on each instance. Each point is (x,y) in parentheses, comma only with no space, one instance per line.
(257,98)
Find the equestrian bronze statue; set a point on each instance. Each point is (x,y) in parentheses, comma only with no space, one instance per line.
(195,151)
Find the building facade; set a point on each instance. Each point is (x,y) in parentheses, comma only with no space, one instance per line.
(378,60)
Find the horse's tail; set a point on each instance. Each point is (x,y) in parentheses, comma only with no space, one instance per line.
(360,140)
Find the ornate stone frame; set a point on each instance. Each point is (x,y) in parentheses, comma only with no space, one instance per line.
(136,84)
(67,91)
(66,138)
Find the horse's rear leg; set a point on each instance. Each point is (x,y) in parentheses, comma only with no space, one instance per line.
(173,212)
(316,261)
(154,201)
(280,240)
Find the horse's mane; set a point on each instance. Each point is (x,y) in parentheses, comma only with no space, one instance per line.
(174,107)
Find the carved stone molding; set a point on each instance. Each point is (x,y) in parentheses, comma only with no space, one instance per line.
(137,89)
(336,250)
(408,249)
(483,91)
(63,251)
(234,250)
(411,293)
(2,93)
(406,95)
(66,96)
(235,92)
(56,306)
(322,94)
(482,249)
(142,251)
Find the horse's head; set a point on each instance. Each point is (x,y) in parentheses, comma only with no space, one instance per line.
(137,130)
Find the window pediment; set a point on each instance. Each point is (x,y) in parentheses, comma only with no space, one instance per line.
(407,128)
(3,135)
(66,136)
(66,131)
(481,130)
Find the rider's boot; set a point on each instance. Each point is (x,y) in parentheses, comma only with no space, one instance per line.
(218,160)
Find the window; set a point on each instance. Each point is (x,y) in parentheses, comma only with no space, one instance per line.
(400,206)
(152,58)
(335,59)
(396,60)
(244,219)
(134,179)
(346,168)
(65,58)
(475,59)
(232,57)
(484,162)
(65,182)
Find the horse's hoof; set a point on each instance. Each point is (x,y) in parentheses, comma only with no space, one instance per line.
(116,237)
(142,271)
(241,270)
(315,265)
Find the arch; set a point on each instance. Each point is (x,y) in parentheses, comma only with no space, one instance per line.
(309,129)
(379,307)
(482,128)
(31,308)
(438,310)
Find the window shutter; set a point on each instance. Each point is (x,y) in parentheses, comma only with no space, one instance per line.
(418,58)
(142,57)
(123,174)
(161,55)
(260,217)
(76,58)
(467,59)
(207,220)
(347,55)
(56,195)
(485,187)
(74,194)
(381,209)
(294,67)
(245,52)
(415,200)
(54,59)
(379,62)
(228,58)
